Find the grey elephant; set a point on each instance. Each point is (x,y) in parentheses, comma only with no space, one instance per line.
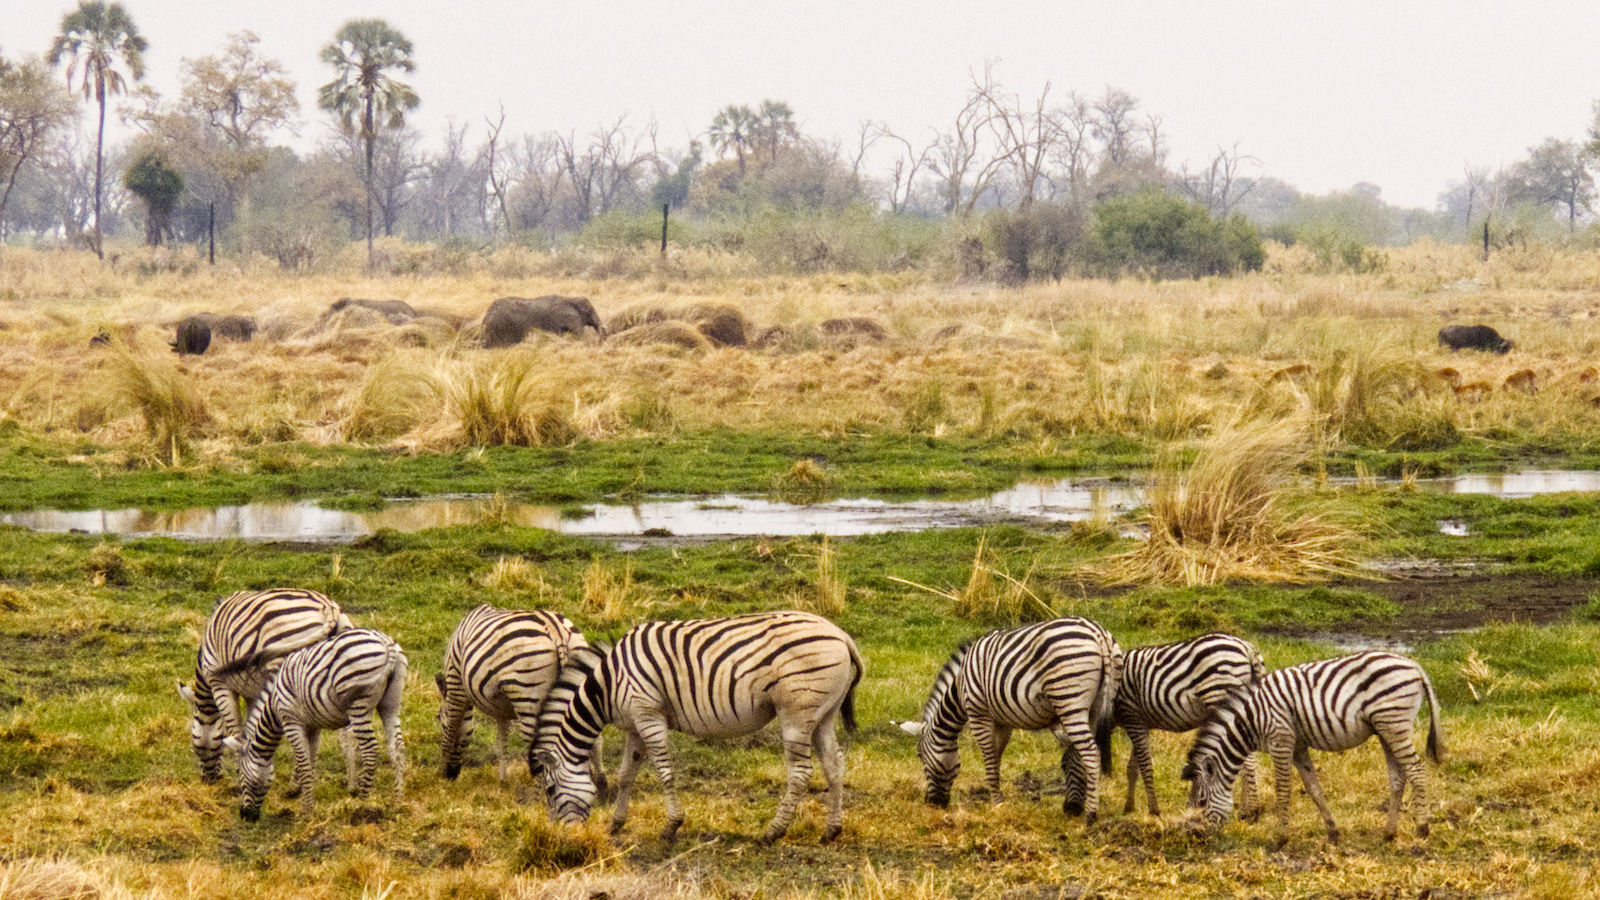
(228,328)
(509,319)
(398,312)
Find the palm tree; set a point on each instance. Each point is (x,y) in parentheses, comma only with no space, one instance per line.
(775,126)
(364,96)
(733,128)
(97,35)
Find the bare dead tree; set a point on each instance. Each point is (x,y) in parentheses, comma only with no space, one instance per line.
(1023,134)
(494,171)
(1220,185)
(964,158)
(908,162)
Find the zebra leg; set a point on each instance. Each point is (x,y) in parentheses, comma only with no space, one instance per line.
(1140,766)
(653,732)
(1282,752)
(1308,774)
(632,754)
(1249,798)
(991,740)
(502,737)
(1405,764)
(231,706)
(597,767)
(365,746)
(304,741)
(1081,737)
(394,746)
(826,742)
(797,751)
(455,726)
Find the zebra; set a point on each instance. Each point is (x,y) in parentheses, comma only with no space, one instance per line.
(245,640)
(1332,704)
(1061,675)
(337,683)
(1172,687)
(501,663)
(706,678)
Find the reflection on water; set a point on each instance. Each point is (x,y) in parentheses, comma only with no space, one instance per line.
(1054,501)
(1060,501)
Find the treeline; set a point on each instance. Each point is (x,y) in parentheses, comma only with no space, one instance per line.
(1010,188)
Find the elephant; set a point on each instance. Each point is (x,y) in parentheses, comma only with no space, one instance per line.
(193,337)
(228,328)
(509,319)
(1473,337)
(398,312)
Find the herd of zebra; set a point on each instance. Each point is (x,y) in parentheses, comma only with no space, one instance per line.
(289,663)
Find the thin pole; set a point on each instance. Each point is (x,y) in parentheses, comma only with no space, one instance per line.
(664,208)
(211,234)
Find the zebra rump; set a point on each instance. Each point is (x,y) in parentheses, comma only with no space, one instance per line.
(1061,675)
(245,640)
(1172,687)
(706,678)
(338,683)
(1330,705)
(501,663)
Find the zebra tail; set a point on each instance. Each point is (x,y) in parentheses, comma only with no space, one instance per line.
(1102,739)
(1105,721)
(847,709)
(1435,743)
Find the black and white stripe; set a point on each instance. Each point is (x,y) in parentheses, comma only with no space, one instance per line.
(1061,675)
(1333,705)
(1172,687)
(707,678)
(337,683)
(245,640)
(501,663)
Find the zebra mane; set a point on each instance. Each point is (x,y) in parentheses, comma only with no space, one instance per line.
(945,682)
(1227,715)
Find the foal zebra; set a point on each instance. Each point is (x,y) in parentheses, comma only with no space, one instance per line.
(1331,704)
(338,683)
(502,663)
(1061,675)
(246,638)
(707,678)
(1172,687)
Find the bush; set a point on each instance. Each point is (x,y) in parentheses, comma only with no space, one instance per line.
(1162,236)
(1045,240)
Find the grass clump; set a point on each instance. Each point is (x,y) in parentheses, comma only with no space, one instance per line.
(805,482)
(544,847)
(611,597)
(172,409)
(1234,515)
(992,595)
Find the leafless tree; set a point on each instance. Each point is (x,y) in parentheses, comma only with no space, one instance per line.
(909,162)
(608,170)
(1221,184)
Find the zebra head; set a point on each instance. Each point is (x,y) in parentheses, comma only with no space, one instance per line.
(262,732)
(943,717)
(452,740)
(206,730)
(574,713)
(1221,746)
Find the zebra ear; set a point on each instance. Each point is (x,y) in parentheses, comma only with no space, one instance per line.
(547,761)
(438,678)
(187,693)
(913,726)
(233,743)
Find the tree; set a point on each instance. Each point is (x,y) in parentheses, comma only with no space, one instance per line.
(733,128)
(158,185)
(1162,236)
(32,107)
(1554,175)
(773,127)
(98,36)
(364,96)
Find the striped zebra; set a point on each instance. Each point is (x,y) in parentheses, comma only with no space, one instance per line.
(1172,687)
(245,640)
(1331,704)
(706,678)
(501,663)
(1061,675)
(337,683)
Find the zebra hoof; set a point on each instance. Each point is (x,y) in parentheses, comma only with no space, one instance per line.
(1333,836)
(831,833)
(1422,830)
(1072,807)
(617,825)
(669,834)
(1091,818)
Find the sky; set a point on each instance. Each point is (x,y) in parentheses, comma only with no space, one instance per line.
(1402,94)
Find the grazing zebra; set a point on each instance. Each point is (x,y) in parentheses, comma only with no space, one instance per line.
(1172,687)
(338,683)
(1331,704)
(502,663)
(707,678)
(1061,675)
(245,641)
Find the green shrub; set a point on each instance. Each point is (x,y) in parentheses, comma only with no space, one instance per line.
(1161,236)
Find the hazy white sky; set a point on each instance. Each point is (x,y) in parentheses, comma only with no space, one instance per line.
(1400,94)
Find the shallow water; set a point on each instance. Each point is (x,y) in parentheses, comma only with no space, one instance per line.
(1066,500)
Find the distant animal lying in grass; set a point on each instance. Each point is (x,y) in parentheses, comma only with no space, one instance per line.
(1473,337)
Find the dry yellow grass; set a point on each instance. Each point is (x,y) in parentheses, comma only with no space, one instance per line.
(1165,361)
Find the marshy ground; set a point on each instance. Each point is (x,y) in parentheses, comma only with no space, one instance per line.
(99,793)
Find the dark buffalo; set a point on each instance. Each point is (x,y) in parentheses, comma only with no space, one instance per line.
(194,336)
(229,328)
(1472,337)
(509,319)
(398,312)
